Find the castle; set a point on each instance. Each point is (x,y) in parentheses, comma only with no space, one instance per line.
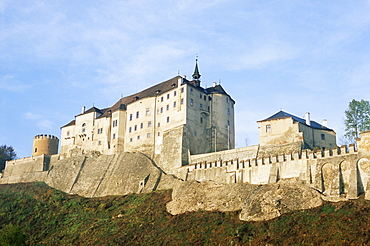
(178,131)
(174,118)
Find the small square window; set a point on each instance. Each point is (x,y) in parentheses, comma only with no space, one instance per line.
(130,139)
(168,96)
(174,104)
(138,137)
(182,89)
(167,107)
(141,125)
(129,129)
(182,100)
(135,127)
(268,128)
(191,102)
(114,136)
(161,99)
(148,135)
(147,111)
(174,93)
(149,123)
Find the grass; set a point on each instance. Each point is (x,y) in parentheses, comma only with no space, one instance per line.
(41,215)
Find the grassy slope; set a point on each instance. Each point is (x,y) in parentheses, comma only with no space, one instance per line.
(51,217)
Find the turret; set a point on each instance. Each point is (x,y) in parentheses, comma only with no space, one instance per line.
(45,145)
(196,75)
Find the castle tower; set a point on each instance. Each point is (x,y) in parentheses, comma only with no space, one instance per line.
(45,145)
(196,75)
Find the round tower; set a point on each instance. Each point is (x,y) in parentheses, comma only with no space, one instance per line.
(45,145)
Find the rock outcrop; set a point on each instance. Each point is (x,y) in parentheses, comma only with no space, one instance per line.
(256,202)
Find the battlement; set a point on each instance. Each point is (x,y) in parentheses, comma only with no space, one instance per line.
(46,136)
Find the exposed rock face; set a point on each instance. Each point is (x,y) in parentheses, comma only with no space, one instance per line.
(256,202)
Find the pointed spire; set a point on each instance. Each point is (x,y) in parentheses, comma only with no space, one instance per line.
(196,74)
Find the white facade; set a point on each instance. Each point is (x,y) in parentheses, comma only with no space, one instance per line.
(167,122)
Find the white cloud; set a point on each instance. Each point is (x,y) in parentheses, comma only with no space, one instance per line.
(39,121)
(10,83)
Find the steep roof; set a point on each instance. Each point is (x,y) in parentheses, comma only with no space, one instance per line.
(281,114)
(217,89)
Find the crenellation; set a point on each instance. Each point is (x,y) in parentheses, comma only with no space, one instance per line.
(343,149)
(352,149)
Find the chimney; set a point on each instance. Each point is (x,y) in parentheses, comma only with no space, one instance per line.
(308,120)
(214,84)
(83,109)
(325,122)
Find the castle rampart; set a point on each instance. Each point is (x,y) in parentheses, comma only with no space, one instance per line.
(335,172)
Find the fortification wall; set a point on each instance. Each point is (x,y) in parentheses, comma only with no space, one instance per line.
(338,172)
(90,176)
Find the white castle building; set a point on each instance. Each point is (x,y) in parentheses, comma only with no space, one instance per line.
(167,122)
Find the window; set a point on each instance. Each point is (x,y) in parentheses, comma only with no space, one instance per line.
(228,123)
(205,98)
(67,133)
(137,114)
(161,99)
(115,123)
(168,119)
(191,102)
(200,96)
(182,89)
(268,128)
(174,104)
(148,135)
(130,139)
(174,93)
(208,108)
(228,111)
(167,107)
(201,120)
(159,134)
(141,125)
(138,137)
(149,123)
(159,124)
(322,136)
(130,116)
(147,111)
(168,96)
(182,100)
(99,142)
(129,129)
(201,106)
(162,110)
(35,150)
(100,130)
(191,90)
(114,136)
(135,127)
(83,127)
(227,100)
(195,133)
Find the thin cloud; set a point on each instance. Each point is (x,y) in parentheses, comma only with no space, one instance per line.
(10,83)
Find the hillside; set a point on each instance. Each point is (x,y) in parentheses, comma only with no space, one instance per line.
(50,217)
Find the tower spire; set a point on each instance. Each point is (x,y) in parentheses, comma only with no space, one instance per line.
(196,74)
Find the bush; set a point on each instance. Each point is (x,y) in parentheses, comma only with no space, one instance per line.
(12,235)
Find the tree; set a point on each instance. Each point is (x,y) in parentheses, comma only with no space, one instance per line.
(357,118)
(6,154)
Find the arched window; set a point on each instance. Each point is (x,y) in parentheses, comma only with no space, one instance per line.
(83,127)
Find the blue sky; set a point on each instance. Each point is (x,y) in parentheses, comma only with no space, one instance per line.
(298,56)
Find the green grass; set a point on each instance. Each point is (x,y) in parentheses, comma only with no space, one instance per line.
(40,215)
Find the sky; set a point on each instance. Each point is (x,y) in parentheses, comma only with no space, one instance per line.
(292,55)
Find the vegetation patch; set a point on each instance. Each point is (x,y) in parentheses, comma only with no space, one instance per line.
(35,214)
